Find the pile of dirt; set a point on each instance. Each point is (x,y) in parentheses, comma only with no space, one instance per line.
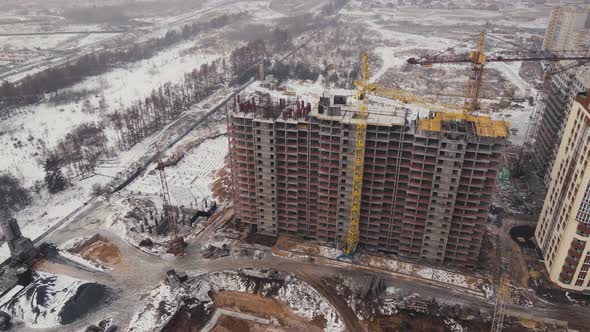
(101,251)
(87,298)
(282,299)
(222,185)
(230,324)
(289,244)
(265,307)
(52,300)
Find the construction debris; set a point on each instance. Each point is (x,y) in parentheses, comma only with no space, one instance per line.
(213,252)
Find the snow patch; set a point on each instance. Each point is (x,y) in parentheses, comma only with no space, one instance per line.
(74,243)
(150,318)
(82,261)
(301,298)
(44,302)
(454,325)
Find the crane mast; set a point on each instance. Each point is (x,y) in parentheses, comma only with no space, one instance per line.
(176,244)
(362,94)
(502,299)
(166,198)
(478,60)
(447,111)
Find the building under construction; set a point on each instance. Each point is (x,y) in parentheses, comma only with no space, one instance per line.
(427,183)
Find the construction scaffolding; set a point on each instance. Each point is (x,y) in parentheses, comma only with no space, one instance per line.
(294,172)
(485,126)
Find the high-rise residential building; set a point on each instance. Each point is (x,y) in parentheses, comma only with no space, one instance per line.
(427,183)
(569,29)
(554,112)
(564,226)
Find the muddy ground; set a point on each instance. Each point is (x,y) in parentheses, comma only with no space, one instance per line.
(222,186)
(265,307)
(101,251)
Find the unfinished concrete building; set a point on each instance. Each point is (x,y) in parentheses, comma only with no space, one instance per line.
(563,231)
(427,185)
(553,117)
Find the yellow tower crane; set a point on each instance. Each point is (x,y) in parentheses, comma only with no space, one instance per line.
(478,59)
(484,126)
(502,300)
(362,95)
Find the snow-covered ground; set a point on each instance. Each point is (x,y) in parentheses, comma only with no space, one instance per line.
(393,265)
(123,86)
(28,134)
(42,126)
(149,319)
(429,273)
(519,119)
(301,298)
(50,301)
(81,261)
(74,243)
(385,303)
(189,183)
(191,179)
(47,210)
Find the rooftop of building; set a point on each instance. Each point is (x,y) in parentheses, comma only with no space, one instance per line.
(484,126)
(340,105)
(344,109)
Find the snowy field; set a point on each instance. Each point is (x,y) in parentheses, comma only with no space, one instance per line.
(58,43)
(122,86)
(42,126)
(190,180)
